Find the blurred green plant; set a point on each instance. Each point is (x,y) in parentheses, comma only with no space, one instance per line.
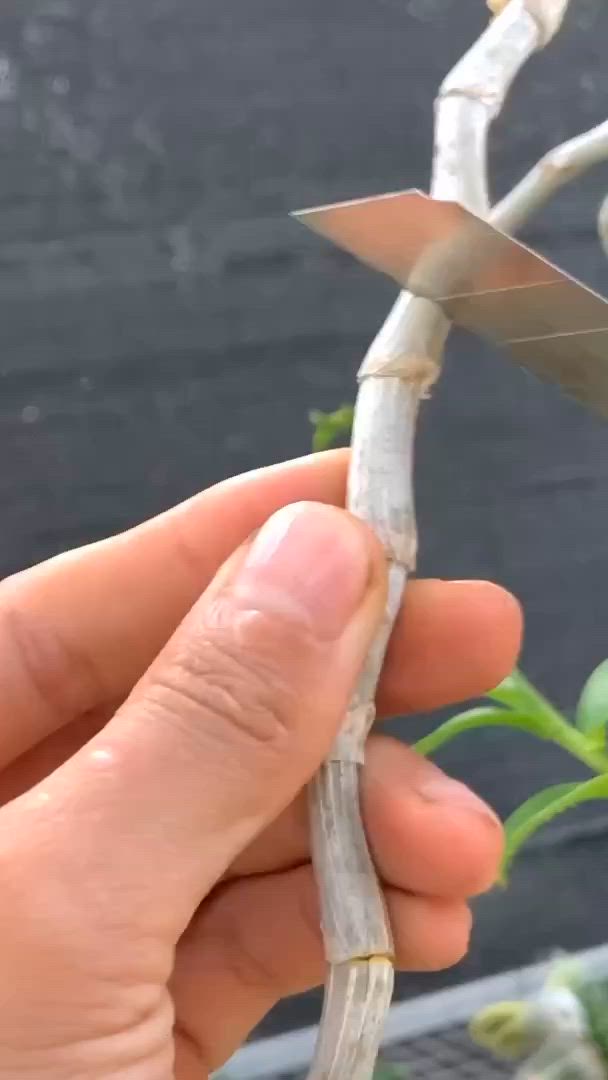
(331,428)
(386,1070)
(559,1033)
(518,704)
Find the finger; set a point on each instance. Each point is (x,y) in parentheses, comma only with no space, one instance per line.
(36,764)
(256,941)
(228,724)
(80,629)
(453,640)
(429,834)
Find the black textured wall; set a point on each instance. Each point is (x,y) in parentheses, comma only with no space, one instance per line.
(163,324)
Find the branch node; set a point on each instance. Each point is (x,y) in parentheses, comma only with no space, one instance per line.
(420,370)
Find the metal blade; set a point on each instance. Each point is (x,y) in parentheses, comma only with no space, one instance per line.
(484,280)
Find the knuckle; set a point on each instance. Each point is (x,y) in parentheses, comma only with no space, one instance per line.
(235,682)
(431,934)
(455,939)
(54,670)
(247,957)
(481,852)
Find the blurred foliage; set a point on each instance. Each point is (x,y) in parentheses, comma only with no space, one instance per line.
(516,703)
(331,428)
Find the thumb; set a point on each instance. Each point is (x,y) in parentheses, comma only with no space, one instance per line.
(229,723)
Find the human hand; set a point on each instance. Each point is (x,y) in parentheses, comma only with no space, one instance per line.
(165,697)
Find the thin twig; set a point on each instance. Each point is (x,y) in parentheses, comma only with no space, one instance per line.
(398,371)
(557,168)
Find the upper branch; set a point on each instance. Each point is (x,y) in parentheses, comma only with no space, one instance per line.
(468,101)
(471,97)
(553,171)
(549,14)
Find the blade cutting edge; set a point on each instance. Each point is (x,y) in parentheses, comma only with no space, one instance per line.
(484,280)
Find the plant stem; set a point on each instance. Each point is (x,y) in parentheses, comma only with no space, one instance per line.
(565,735)
(557,168)
(551,727)
(522,697)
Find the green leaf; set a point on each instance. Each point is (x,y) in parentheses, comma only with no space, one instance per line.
(592,708)
(484,716)
(330,427)
(542,808)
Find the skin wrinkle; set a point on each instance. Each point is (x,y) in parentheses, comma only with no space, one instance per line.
(227,679)
(188,1044)
(114,1004)
(31,767)
(211,696)
(74,926)
(60,678)
(146,1043)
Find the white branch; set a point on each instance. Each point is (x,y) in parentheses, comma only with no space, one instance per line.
(549,15)
(557,168)
(401,365)
(468,101)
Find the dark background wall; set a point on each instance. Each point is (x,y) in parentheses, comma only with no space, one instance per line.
(164,324)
